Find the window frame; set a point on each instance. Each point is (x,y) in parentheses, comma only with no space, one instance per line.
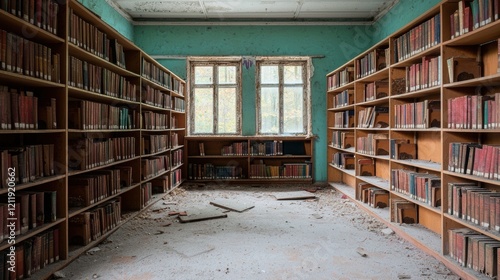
(214,61)
(281,62)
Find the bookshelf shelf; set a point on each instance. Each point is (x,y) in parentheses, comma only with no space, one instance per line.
(341,88)
(428,148)
(32,232)
(344,108)
(83,39)
(349,172)
(374,156)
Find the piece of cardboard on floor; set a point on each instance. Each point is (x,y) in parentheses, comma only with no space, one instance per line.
(233,205)
(205,215)
(293,195)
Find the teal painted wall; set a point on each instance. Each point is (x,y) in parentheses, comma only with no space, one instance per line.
(336,45)
(111,17)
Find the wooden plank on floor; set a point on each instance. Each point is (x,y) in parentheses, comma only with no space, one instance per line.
(205,215)
(233,205)
(293,195)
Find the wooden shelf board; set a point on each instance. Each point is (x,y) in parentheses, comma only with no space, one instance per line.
(254,180)
(76,172)
(155,130)
(376,181)
(218,157)
(281,157)
(154,108)
(472,177)
(382,100)
(431,129)
(419,203)
(32,232)
(343,108)
(96,60)
(341,88)
(31,131)
(454,130)
(176,167)
(350,172)
(341,128)
(85,94)
(417,58)
(370,129)
(379,75)
(348,150)
(425,164)
(145,180)
(492,80)
(21,80)
(177,147)
(178,111)
(155,85)
(43,180)
(489,232)
(418,93)
(374,156)
(178,129)
(155,154)
(75,211)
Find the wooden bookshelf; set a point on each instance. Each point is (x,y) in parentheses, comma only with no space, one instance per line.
(76,78)
(249,159)
(423,134)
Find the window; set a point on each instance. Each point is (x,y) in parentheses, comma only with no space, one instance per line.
(282,96)
(215,96)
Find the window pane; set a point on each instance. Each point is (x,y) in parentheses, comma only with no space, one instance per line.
(204,108)
(269,75)
(293,108)
(292,74)
(203,75)
(227,75)
(226,122)
(269,110)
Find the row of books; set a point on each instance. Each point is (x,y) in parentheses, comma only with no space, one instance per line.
(85,190)
(372,62)
(422,114)
(475,251)
(344,160)
(156,97)
(344,119)
(154,166)
(179,104)
(32,210)
(474,159)
(424,74)
(373,144)
(341,78)
(345,98)
(474,112)
(178,86)
(423,187)
(161,184)
(476,204)
(421,37)
(23,110)
(173,122)
(174,139)
(176,177)
(342,139)
(373,196)
(87,153)
(376,90)
(177,157)
(154,121)
(28,163)
(209,171)
(403,211)
(241,148)
(152,144)
(20,55)
(84,114)
(146,193)
(41,13)
(472,14)
(373,117)
(284,171)
(153,73)
(402,149)
(88,37)
(87,76)
(90,225)
(30,255)
(267,148)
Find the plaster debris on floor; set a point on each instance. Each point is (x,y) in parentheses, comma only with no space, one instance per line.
(324,238)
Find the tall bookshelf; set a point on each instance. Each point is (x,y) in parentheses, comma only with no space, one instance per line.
(91,128)
(249,159)
(421,165)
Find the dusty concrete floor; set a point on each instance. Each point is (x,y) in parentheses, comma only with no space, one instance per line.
(275,240)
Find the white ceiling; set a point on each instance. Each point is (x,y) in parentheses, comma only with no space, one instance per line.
(358,10)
